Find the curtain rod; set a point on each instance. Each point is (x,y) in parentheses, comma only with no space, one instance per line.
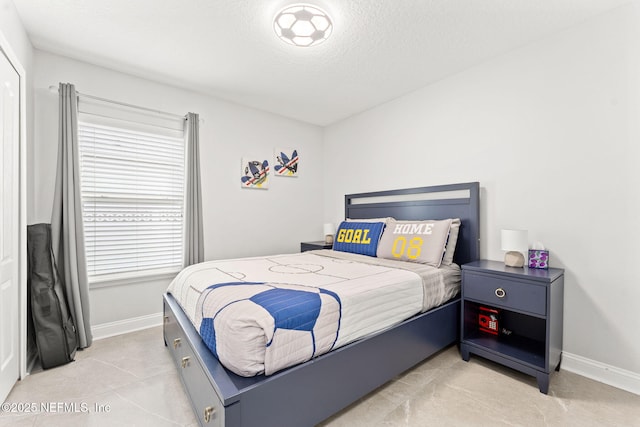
(53,88)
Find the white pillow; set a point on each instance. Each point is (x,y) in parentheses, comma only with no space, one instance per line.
(449,251)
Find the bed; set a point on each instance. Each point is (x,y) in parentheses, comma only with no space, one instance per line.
(307,393)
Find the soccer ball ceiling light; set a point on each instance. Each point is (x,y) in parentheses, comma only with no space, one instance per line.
(302,25)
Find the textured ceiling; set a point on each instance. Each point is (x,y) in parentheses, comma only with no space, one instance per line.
(379,49)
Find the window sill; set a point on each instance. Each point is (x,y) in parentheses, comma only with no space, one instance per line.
(131,278)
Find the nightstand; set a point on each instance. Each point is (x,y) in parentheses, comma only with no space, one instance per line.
(513,316)
(312,246)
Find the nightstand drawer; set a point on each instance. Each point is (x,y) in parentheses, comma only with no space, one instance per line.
(511,294)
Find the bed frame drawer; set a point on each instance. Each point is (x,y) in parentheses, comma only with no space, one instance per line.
(204,399)
(207,406)
(506,293)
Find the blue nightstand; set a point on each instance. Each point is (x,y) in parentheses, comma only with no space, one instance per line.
(513,316)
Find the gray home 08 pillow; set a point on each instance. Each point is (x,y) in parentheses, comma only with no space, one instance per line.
(416,241)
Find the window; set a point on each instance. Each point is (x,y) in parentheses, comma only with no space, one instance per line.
(132,189)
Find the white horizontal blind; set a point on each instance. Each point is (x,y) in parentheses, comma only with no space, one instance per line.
(132,188)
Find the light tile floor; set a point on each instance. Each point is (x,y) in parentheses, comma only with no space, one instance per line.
(130,380)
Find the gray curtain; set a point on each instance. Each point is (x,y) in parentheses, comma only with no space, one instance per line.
(67,230)
(193,238)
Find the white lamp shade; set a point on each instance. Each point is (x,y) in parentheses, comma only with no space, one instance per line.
(514,240)
(329,229)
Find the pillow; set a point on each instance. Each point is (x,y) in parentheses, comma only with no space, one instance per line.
(358,237)
(416,241)
(447,259)
(384,220)
(450,248)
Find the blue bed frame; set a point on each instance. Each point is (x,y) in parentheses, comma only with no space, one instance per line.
(306,394)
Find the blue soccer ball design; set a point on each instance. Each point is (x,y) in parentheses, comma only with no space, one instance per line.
(296,322)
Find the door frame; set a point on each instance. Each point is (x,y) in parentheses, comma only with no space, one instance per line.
(5,46)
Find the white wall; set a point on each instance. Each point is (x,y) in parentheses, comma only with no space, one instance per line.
(13,31)
(551,133)
(238,222)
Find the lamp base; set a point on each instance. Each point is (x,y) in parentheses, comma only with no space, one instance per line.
(328,239)
(514,259)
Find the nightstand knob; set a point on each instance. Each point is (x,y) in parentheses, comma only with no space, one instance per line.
(500,293)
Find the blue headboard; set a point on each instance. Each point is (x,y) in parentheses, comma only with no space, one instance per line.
(437,202)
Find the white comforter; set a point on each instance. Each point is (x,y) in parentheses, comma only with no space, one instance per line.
(242,307)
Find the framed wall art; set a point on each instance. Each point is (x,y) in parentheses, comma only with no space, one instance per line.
(286,162)
(255,173)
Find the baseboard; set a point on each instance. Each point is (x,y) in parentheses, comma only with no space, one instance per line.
(607,374)
(110,329)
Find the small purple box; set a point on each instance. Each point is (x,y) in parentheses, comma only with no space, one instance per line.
(538,258)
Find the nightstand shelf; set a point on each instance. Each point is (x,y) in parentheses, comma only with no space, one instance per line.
(520,349)
(525,304)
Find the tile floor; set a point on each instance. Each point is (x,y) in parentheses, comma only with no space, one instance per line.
(129,380)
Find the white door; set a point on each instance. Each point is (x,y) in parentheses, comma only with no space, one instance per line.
(9,225)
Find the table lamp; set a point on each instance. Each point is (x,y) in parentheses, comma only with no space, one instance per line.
(329,231)
(514,242)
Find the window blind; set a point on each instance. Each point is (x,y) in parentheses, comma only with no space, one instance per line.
(132,189)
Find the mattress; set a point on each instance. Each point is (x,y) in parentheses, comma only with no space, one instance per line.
(260,315)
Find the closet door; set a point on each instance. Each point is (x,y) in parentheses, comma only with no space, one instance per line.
(9,225)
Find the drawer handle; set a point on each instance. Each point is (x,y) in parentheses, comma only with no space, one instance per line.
(500,293)
(166,319)
(209,411)
(176,343)
(185,361)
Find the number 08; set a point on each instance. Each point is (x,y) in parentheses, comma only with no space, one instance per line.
(413,249)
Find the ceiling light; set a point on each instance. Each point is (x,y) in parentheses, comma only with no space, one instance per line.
(302,25)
